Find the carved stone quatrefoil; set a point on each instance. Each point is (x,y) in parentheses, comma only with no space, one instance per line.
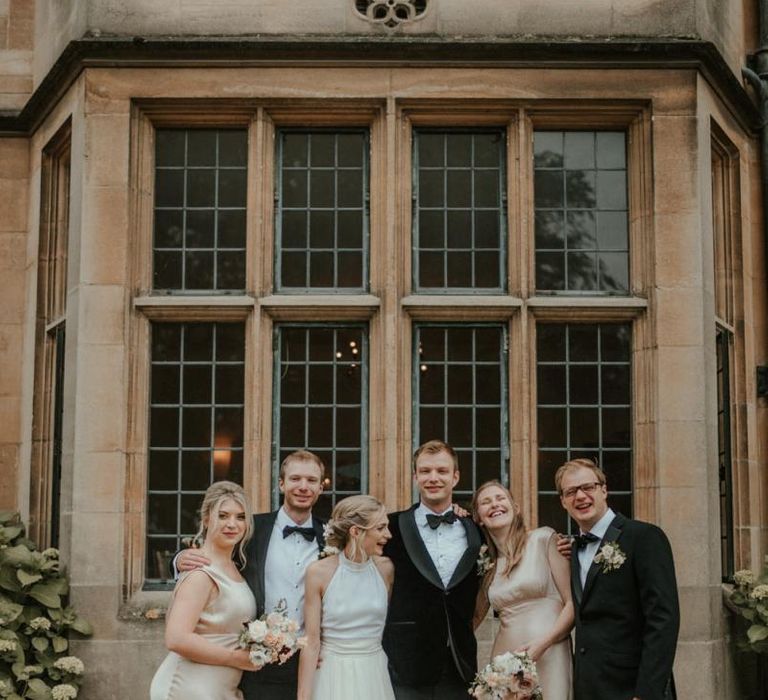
(391,13)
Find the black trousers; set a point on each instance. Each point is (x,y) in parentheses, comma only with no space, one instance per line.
(450,686)
(273,682)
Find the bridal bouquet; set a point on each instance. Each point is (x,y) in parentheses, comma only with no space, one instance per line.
(510,676)
(272,638)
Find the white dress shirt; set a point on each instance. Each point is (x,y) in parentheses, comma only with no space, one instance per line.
(587,554)
(446,544)
(287,561)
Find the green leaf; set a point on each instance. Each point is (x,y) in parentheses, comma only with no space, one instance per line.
(60,585)
(27,579)
(17,556)
(59,644)
(40,643)
(757,633)
(37,690)
(82,626)
(8,580)
(46,594)
(12,532)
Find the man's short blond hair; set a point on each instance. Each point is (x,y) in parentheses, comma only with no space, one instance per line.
(580,463)
(302,456)
(433,447)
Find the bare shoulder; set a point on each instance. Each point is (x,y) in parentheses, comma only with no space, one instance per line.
(320,572)
(385,566)
(195,584)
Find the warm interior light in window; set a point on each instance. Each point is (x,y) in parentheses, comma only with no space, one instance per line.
(423,368)
(338,354)
(222,456)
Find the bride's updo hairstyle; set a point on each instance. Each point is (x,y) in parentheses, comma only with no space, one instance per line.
(361,511)
(217,493)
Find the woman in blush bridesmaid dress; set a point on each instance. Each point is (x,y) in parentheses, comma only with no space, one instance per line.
(208,608)
(345,607)
(528,587)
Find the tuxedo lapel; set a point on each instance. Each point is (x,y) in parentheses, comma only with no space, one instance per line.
(319,532)
(612,534)
(416,549)
(263,531)
(468,560)
(578,591)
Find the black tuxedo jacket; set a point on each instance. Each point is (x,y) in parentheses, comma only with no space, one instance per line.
(256,557)
(424,615)
(627,619)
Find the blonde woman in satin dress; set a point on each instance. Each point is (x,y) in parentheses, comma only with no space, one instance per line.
(209,606)
(345,607)
(529,587)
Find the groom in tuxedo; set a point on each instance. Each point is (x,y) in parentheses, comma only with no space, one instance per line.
(429,637)
(624,593)
(283,544)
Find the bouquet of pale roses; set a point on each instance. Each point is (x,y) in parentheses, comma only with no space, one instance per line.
(272,638)
(510,676)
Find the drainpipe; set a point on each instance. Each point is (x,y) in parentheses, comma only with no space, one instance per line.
(758,79)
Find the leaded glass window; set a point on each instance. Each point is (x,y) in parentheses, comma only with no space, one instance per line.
(195,428)
(724,341)
(200,207)
(460,396)
(584,409)
(322,210)
(459,212)
(581,219)
(320,404)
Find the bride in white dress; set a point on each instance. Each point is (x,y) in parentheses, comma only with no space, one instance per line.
(345,607)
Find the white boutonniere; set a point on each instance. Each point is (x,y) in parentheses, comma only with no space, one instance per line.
(328,550)
(610,557)
(484,561)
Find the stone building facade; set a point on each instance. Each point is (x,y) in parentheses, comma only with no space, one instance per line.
(231,229)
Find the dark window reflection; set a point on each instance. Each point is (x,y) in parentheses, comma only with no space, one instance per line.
(580,202)
(459,214)
(200,206)
(321,388)
(584,408)
(196,428)
(460,395)
(322,210)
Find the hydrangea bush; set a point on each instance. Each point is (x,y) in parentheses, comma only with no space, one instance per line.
(34,624)
(749,599)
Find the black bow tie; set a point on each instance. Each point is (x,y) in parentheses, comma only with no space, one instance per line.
(582,540)
(308,533)
(434,520)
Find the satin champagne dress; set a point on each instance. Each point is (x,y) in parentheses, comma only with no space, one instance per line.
(221,623)
(528,604)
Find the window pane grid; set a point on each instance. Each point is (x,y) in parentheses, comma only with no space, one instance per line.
(200,210)
(581,211)
(584,409)
(459,223)
(322,210)
(460,397)
(196,428)
(321,391)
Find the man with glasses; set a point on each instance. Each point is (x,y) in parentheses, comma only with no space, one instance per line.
(624,593)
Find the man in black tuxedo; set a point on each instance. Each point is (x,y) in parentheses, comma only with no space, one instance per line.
(624,593)
(429,637)
(283,544)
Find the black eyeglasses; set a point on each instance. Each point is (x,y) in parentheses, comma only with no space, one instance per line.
(587,489)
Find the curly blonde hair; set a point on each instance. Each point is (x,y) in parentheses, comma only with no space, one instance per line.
(217,493)
(363,512)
